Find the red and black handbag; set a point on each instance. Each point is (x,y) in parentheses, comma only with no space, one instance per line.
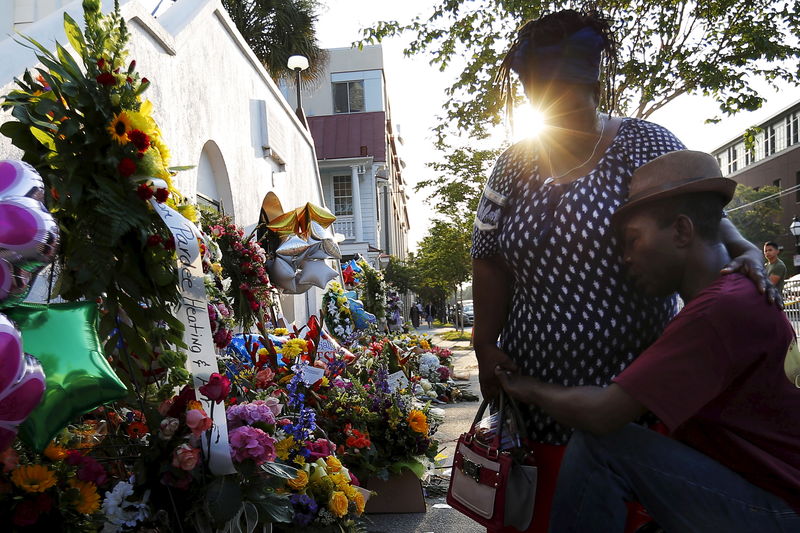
(495,487)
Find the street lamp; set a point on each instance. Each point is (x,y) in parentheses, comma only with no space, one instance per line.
(298,64)
(794,229)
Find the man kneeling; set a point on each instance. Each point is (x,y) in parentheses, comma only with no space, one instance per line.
(723,377)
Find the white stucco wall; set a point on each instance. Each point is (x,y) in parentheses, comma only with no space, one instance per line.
(209,91)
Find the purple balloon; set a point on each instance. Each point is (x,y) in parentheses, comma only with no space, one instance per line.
(28,233)
(22,382)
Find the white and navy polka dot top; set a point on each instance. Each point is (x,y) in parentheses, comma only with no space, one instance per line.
(574,318)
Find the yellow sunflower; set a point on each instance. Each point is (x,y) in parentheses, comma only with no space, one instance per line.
(418,422)
(119,128)
(88,501)
(33,478)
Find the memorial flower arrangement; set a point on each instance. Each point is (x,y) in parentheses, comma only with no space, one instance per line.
(337,315)
(243,262)
(372,289)
(92,104)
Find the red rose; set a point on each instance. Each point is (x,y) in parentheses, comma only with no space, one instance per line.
(144,192)
(217,388)
(101,63)
(107,79)
(129,80)
(169,244)
(145,80)
(126,167)
(162,195)
(139,139)
(153,240)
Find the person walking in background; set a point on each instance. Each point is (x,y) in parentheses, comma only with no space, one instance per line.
(414,315)
(429,313)
(547,278)
(776,269)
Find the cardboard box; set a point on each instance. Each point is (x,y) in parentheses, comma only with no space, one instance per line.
(401,493)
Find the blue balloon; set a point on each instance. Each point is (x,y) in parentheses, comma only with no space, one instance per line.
(354,266)
(360,316)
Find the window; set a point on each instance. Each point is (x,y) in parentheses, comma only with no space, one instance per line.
(733,161)
(777,183)
(797,183)
(791,129)
(211,203)
(749,156)
(769,141)
(348,97)
(342,195)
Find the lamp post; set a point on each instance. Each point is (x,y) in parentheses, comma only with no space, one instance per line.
(298,64)
(794,229)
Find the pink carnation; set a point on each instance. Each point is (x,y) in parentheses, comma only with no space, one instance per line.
(251,443)
(320,448)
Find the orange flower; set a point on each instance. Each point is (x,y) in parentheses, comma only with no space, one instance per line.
(88,500)
(194,404)
(54,452)
(418,422)
(137,430)
(299,482)
(33,478)
(338,503)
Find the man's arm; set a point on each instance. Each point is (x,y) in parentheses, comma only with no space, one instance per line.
(598,410)
(746,259)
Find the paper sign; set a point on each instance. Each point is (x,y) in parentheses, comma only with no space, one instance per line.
(397,381)
(312,374)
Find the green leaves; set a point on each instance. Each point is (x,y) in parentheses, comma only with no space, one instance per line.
(665,49)
(74,34)
(223,499)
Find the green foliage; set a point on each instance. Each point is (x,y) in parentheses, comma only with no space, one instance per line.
(759,222)
(372,290)
(278,29)
(443,260)
(715,47)
(400,275)
(459,180)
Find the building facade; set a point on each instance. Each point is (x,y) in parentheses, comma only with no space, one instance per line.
(217,106)
(350,120)
(774,160)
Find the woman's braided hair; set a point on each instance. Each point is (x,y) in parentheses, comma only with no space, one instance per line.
(550,30)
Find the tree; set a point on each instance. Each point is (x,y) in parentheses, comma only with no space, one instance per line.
(277,29)
(400,274)
(713,47)
(757,222)
(459,181)
(443,262)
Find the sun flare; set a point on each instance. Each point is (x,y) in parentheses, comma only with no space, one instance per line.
(528,122)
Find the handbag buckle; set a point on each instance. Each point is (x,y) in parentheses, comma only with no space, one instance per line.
(471,469)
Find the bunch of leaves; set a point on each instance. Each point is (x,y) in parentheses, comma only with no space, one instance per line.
(243,261)
(756,213)
(90,135)
(715,48)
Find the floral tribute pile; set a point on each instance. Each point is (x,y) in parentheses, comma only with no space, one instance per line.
(306,428)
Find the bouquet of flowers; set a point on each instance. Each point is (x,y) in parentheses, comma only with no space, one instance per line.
(84,125)
(337,315)
(243,263)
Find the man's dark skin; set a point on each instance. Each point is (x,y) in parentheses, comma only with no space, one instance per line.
(661,261)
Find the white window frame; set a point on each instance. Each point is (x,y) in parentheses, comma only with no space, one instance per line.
(349,100)
(342,180)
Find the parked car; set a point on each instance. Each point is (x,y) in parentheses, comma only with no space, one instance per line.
(468,314)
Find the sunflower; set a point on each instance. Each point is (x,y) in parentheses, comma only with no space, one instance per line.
(119,128)
(88,501)
(33,478)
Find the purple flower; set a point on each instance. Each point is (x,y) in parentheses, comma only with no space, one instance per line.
(250,413)
(305,509)
(251,443)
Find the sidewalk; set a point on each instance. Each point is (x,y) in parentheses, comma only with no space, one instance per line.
(440,517)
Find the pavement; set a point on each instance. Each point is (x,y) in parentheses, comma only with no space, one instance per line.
(440,517)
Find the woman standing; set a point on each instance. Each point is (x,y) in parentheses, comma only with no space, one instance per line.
(547,276)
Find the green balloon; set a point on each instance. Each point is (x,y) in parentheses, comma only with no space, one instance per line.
(78,377)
